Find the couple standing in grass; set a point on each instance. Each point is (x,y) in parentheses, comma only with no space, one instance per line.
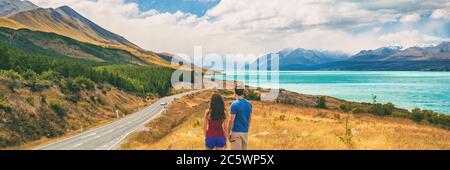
(218,127)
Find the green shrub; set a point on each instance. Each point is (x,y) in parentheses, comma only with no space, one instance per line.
(287,100)
(33,81)
(417,115)
(252,95)
(11,74)
(29,75)
(57,107)
(382,109)
(359,110)
(428,116)
(401,115)
(322,103)
(12,79)
(347,107)
(73,98)
(5,106)
(69,87)
(84,83)
(50,75)
(226,92)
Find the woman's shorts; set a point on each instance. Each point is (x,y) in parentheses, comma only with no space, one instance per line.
(212,143)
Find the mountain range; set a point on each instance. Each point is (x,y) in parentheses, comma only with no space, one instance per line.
(393,58)
(432,53)
(290,59)
(67,22)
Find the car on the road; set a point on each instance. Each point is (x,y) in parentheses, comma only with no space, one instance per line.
(164,104)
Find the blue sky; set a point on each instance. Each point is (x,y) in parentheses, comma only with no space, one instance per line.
(197,7)
(264,26)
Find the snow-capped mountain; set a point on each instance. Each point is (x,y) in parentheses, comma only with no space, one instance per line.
(431,53)
(299,57)
(375,55)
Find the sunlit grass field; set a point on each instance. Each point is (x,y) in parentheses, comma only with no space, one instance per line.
(287,127)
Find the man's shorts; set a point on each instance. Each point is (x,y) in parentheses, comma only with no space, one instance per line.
(239,141)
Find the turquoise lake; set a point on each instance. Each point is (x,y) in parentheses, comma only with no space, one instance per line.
(426,90)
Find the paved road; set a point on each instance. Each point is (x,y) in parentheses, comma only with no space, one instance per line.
(110,136)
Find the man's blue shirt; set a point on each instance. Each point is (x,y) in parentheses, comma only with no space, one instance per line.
(242,109)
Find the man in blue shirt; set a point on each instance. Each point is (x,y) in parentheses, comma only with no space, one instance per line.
(241,111)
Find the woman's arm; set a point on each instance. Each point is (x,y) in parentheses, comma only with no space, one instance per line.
(225,125)
(206,122)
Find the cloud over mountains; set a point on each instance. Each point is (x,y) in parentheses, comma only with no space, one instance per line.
(262,26)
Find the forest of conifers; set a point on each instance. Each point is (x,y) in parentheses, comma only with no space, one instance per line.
(132,78)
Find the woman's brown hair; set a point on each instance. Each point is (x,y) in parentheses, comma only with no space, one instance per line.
(217,108)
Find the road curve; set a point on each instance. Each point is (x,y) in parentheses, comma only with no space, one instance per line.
(109,136)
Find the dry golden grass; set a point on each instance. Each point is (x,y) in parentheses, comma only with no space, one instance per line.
(5,22)
(181,111)
(287,127)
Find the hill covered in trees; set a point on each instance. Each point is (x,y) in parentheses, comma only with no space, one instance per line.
(54,45)
(132,78)
(46,93)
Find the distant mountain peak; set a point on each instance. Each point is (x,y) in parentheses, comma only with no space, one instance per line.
(11,7)
(397,53)
(65,7)
(66,21)
(296,57)
(70,11)
(444,46)
(394,48)
(377,54)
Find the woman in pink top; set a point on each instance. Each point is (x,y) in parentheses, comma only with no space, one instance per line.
(215,124)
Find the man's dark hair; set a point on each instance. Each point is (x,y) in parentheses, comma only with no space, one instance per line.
(239,92)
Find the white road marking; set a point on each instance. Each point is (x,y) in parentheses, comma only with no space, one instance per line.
(137,121)
(89,135)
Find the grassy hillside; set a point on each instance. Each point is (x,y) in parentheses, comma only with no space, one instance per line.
(278,126)
(5,22)
(68,67)
(67,22)
(47,105)
(59,46)
(45,96)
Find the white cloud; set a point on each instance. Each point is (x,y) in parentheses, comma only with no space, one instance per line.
(410,38)
(441,14)
(249,26)
(411,18)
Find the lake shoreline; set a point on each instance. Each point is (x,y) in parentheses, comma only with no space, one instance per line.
(406,89)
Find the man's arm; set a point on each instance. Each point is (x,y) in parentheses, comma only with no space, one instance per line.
(251,113)
(231,123)
(233,112)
